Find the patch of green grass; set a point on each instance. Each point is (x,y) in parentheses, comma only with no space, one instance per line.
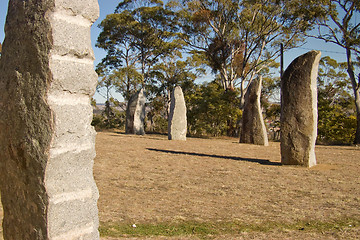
(160,229)
(205,230)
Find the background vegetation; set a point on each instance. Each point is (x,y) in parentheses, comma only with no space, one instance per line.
(158,45)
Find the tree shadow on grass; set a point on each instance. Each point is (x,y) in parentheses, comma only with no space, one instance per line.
(253,160)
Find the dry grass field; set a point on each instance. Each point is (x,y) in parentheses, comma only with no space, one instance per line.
(220,189)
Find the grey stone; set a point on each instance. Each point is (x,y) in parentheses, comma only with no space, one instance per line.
(66,71)
(135,114)
(253,128)
(88,9)
(47,144)
(71,36)
(177,123)
(299,111)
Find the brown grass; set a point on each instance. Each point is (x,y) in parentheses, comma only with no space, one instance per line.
(148,179)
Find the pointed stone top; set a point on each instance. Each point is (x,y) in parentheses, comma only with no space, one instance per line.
(313,54)
(177,88)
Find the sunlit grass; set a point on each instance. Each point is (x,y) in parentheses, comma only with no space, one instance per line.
(207,230)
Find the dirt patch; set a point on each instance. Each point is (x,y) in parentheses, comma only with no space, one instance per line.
(148,179)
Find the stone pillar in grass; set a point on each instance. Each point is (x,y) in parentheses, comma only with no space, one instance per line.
(299,111)
(177,123)
(253,127)
(135,114)
(47,144)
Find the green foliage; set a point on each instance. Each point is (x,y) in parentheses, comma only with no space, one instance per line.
(117,120)
(239,38)
(164,78)
(170,73)
(272,120)
(335,126)
(139,33)
(209,230)
(127,81)
(335,21)
(111,117)
(158,115)
(212,111)
(135,38)
(336,119)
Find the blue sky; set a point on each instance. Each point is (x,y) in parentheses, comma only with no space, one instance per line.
(108,7)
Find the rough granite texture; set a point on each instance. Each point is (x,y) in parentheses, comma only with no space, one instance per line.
(47,144)
(253,127)
(299,111)
(177,123)
(135,114)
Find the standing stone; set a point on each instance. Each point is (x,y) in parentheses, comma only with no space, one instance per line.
(47,144)
(177,117)
(299,110)
(135,114)
(253,127)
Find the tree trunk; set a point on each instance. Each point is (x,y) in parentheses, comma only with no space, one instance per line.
(128,80)
(242,94)
(357,104)
(356,86)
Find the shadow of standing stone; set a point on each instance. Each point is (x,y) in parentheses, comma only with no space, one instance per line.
(253,127)
(135,114)
(299,110)
(177,123)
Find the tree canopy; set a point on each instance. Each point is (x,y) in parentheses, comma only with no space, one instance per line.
(136,36)
(158,45)
(337,122)
(335,21)
(239,38)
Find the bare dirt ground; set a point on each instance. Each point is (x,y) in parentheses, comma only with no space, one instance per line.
(145,179)
(148,179)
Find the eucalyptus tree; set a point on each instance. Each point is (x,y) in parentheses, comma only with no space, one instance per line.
(104,87)
(172,72)
(338,22)
(135,37)
(127,80)
(334,84)
(337,122)
(239,37)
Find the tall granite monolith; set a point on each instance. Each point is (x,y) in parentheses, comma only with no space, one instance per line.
(299,111)
(253,128)
(135,114)
(177,123)
(47,145)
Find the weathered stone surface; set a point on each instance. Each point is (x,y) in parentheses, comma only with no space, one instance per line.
(88,9)
(253,127)
(177,123)
(66,69)
(135,114)
(47,145)
(299,110)
(71,35)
